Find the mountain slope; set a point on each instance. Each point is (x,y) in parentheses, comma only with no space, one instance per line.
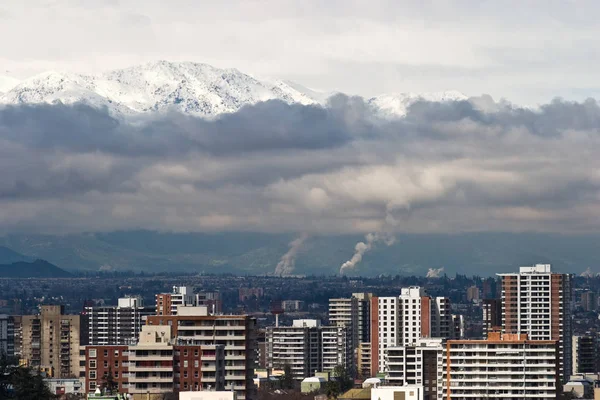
(7,83)
(35,269)
(8,256)
(162,86)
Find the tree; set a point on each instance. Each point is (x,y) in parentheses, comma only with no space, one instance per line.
(5,375)
(343,377)
(287,380)
(29,385)
(109,385)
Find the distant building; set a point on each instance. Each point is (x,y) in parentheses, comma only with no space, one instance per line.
(249,293)
(308,347)
(212,300)
(501,366)
(589,301)
(411,392)
(167,303)
(115,325)
(292,305)
(61,387)
(472,293)
(7,335)
(492,315)
(51,341)
(537,302)
(585,354)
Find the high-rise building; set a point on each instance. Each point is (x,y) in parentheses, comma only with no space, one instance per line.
(51,341)
(472,293)
(537,302)
(492,315)
(167,303)
(212,300)
(506,366)
(308,347)
(237,333)
(419,363)
(403,320)
(115,325)
(589,301)
(585,354)
(7,335)
(156,364)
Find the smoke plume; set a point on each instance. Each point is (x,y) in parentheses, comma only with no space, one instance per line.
(288,261)
(434,272)
(362,247)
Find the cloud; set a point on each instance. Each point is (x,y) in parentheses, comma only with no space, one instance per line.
(435,272)
(474,165)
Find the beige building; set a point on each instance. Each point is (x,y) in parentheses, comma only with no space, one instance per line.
(51,341)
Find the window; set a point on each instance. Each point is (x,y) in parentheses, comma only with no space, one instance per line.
(116,353)
(185,363)
(92,374)
(92,386)
(92,363)
(195,363)
(105,353)
(195,374)
(185,353)
(116,363)
(185,374)
(196,353)
(92,353)
(105,364)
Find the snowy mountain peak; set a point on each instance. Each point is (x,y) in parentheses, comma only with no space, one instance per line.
(186,87)
(194,88)
(7,83)
(396,104)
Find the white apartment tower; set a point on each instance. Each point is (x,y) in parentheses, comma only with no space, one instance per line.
(404,320)
(537,302)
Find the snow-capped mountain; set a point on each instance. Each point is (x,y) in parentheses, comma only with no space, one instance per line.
(7,83)
(191,88)
(396,104)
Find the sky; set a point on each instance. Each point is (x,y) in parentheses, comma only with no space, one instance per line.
(528,52)
(478,165)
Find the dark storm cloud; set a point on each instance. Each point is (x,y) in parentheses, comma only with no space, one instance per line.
(469,165)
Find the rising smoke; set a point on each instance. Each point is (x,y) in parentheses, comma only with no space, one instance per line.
(288,261)
(435,272)
(362,247)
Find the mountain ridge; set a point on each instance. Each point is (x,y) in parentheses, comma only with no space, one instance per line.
(187,87)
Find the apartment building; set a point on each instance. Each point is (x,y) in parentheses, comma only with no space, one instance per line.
(354,313)
(212,301)
(51,340)
(585,354)
(508,366)
(116,325)
(403,320)
(237,333)
(308,347)
(418,364)
(7,335)
(537,302)
(157,364)
(167,303)
(492,315)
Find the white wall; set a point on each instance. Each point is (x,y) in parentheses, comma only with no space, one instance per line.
(387,393)
(223,395)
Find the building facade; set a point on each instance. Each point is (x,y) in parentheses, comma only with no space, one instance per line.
(167,303)
(502,366)
(585,354)
(51,340)
(308,347)
(116,325)
(404,320)
(492,315)
(237,333)
(7,335)
(537,302)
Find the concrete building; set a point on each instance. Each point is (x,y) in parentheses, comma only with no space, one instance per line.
(589,301)
(492,315)
(354,313)
(157,364)
(363,360)
(403,320)
(167,303)
(585,354)
(537,302)
(411,392)
(237,333)
(212,301)
(417,364)
(7,335)
(51,341)
(60,387)
(115,325)
(292,305)
(308,347)
(472,293)
(502,366)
